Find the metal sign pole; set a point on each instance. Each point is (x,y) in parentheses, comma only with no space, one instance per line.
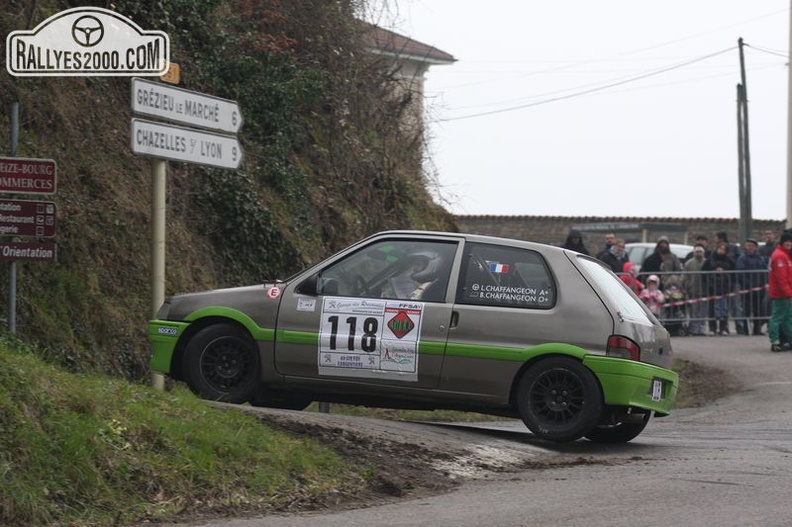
(158,172)
(12,267)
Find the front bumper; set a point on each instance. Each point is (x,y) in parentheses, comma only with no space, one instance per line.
(630,383)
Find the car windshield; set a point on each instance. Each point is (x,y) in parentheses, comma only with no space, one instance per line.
(626,303)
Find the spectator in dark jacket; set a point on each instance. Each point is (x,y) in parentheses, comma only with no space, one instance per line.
(752,281)
(574,242)
(719,283)
(616,256)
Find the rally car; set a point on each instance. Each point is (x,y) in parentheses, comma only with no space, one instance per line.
(430,320)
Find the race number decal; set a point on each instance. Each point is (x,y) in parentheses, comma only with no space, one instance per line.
(370,338)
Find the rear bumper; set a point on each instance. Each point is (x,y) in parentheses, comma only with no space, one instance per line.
(630,383)
(163,336)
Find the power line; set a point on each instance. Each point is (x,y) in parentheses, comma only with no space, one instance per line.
(593,90)
(770,51)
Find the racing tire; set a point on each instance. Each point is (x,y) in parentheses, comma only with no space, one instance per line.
(559,399)
(221,363)
(619,433)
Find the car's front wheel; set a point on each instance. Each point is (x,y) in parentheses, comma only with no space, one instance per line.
(559,399)
(221,363)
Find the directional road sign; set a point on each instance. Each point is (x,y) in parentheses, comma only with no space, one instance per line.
(185,144)
(27,218)
(21,175)
(154,99)
(28,251)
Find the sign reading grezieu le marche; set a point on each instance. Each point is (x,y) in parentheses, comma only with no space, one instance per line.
(167,141)
(27,218)
(154,99)
(20,175)
(28,251)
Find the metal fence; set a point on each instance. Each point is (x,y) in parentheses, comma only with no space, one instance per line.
(709,302)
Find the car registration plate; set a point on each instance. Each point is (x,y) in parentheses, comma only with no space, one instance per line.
(657,390)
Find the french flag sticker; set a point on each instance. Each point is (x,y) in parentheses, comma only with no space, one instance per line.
(499,267)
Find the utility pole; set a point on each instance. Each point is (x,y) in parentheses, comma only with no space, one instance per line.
(742,230)
(789,131)
(746,221)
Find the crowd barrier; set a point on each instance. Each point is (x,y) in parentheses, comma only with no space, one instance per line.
(692,296)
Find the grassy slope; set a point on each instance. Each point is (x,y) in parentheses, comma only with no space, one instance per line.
(92,450)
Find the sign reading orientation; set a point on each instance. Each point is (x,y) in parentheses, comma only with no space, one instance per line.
(28,251)
(154,99)
(20,175)
(185,144)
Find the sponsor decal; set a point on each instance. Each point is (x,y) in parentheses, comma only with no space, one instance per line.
(167,331)
(369,338)
(306,304)
(273,292)
(86,42)
(401,324)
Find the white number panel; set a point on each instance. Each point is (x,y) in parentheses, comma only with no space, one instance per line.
(361,337)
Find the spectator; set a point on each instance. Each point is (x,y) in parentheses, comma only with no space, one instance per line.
(769,246)
(694,286)
(753,279)
(616,256)
(780,292)
(735,301)
(610,239)
(630,277)
(574,242)
(652,296)
(719,284)
(651,263)
(704,242)
(669,265)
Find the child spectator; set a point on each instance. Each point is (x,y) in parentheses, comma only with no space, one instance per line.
(652,296)
(630,277)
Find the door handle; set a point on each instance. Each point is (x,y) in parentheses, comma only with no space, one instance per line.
(454,319)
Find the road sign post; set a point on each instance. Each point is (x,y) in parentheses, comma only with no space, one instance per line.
(163,141)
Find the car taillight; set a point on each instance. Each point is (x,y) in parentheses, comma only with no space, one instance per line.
(623,347)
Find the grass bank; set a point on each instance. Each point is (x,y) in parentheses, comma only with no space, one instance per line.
(92,450)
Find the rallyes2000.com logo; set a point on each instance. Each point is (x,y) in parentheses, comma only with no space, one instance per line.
(87,41)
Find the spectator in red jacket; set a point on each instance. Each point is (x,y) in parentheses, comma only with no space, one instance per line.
(780,292)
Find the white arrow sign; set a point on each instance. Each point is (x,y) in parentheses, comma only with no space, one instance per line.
(166,141)
(154,99)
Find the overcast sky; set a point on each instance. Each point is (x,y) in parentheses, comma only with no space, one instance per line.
(664,145)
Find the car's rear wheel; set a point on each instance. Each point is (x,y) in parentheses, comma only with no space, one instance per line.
(618,433)
(221,363)
(559,399)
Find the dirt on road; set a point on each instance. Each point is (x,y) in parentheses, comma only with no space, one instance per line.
(413,465)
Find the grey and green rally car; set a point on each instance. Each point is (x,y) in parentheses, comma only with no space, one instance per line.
(430,320)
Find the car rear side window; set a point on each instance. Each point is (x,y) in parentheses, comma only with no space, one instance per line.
(494,275)
(629,307)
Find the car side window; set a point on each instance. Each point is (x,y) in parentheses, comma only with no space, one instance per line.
(394,269)
(495,275)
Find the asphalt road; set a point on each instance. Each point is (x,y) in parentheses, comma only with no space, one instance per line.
(727,464)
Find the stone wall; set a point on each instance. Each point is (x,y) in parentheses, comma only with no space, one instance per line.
(554,229)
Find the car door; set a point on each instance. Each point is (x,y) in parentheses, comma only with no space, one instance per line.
(507,300)
(379,314)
